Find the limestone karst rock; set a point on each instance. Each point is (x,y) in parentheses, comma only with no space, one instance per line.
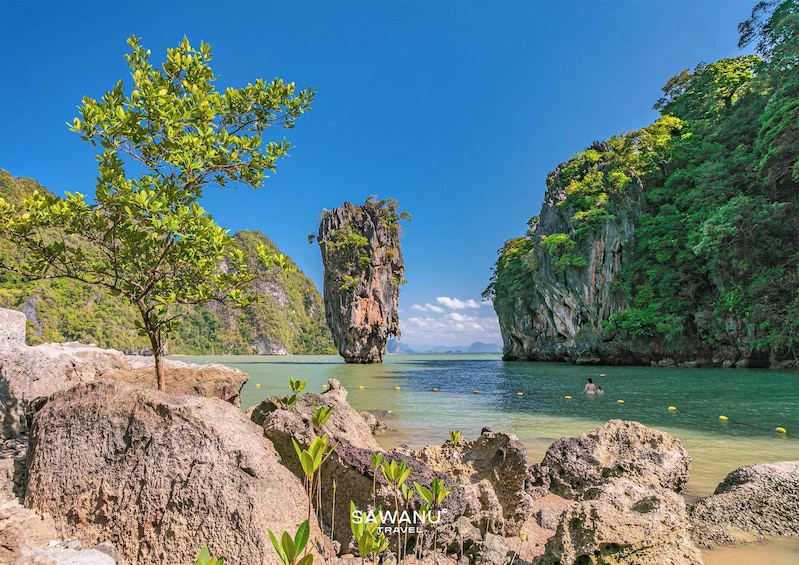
(29,372)
(561,315)
(575,467)
(625,524)
(751,504)
(363,272)
(160,476)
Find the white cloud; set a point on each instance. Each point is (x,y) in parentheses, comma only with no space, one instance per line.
(457,303)
(451,329)
(428,308)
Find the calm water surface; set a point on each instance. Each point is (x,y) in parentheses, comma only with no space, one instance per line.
(754,401)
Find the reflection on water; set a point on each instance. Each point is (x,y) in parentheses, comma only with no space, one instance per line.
(754,402)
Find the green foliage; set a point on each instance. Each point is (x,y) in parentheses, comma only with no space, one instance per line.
(321,414)
(559,246)
(513,273)
(368,534)
(313,457)
(376,460)
(204,558)
(296,386)
(395,473)
(436,494)
(146,238)
(716,245)
(311,460)
(289,311)
(454,437)
(349,248)
(290,549)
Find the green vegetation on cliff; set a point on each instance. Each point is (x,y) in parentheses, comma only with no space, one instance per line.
(289,316)
(715,253)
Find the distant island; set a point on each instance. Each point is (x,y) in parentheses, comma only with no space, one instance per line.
(397,347)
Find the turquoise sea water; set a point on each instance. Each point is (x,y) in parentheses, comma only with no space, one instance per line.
(400,392)
(754,401)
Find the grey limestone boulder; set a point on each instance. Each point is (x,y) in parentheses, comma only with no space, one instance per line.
(159,476)
(751,504)
(625,524)
(30,372)
(12,328)
(575,466)
(495,464)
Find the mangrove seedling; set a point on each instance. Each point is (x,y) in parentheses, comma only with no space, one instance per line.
(454,437)
(296,386)
(289,549)
(436,494)
(310,460)
(368,535)
(396,474)
(377,459)
(321,414)
(433,497)
(205,558)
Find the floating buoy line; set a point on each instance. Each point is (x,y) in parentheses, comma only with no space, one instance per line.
(722,418)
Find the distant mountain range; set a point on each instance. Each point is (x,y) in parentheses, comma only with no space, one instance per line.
(395,346)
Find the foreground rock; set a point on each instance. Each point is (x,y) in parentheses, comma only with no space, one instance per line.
(624,476)
(363,272)
(345,426)
(491,472)
(159,476)
(751,504)
(573,467)
(350,463)
(495,467)
(625,525)
(29,372)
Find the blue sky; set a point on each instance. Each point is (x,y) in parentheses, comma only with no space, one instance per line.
(456,109)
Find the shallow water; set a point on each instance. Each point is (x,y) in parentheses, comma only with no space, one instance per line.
(755,402)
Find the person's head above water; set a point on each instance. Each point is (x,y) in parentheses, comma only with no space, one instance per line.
(590,380)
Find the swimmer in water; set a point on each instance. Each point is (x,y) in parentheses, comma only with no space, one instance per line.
(599,389)
(590,387)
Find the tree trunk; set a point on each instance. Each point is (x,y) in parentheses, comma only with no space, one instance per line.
(156,345)
(159,369)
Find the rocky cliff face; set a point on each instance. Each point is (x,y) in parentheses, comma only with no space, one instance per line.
(557,290)
(363,272)
(560,313)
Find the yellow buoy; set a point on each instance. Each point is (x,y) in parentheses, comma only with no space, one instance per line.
(780,430)
(476,391)
(620,401)
(567,397)
(672,408)
(360,387)
(519,394)
(324,387)
(723,418)
(435,390)
(257,385)
(396,388)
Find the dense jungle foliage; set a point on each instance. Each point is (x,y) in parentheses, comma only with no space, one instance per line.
(716,245)
(289,314)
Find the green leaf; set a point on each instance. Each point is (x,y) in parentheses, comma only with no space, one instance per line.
(278,548)
(288,546)
(301,538)
(307,560)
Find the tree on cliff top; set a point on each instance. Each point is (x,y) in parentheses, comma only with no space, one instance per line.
(145,235)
